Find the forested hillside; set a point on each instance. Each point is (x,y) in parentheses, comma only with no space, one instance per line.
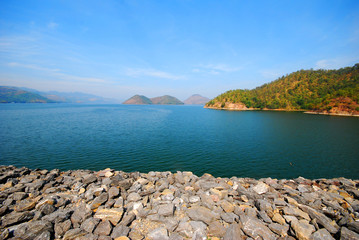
(317,90)
(17,95)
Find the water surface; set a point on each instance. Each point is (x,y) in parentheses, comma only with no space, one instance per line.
(186,138)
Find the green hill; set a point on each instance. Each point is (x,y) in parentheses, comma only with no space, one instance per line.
(166,100)
(17,95)
(138,99)
(326,91)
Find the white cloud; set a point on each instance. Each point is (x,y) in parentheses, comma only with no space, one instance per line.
(215,68)
(222,67)
(57,73)
(136,72)
(335,63)
(32,66)
(52,25)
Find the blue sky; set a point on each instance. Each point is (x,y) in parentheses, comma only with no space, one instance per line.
(120,48)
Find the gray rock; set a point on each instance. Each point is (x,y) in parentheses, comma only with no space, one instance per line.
(321,219)
(261,188)
(118,203)
(47,209)
(216,229)
(46,235)
(58,216)
(113,192)
(101,199)
(175,236)
(16,217)
(103,228)
(125,184)
(3,210)
(281,230)
(229,217)
(322,234)
(233,232)
(128,218)
(346,234)
(133,197)
(89,179)
(201,214)
(74,233)
(171,223)
(184,228)
(263,215)
(89,224)
(62,227)
(354,226)
(254,228)
(158,234)
(120,230)
(36,228)
(80,214)
(198,225)
(19,196)
(295,212)
(303,230)
(166,210)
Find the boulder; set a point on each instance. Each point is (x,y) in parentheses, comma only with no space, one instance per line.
(114,215)
(103,228)
(199,213)
(322,234)
(255,228)
(158,234)
(233,232)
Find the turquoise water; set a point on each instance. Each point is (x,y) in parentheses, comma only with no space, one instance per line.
(186,138)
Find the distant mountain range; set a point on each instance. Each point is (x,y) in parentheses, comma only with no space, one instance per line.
(17,95)
(10,94)
(164,100)
(196,99)
(27,95)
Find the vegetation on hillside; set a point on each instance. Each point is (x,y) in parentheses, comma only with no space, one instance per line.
(166,100)
(138,99)
(301,90)
(16,95)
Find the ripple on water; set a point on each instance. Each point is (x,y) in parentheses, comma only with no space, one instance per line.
(143,138)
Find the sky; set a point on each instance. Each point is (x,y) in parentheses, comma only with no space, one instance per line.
(117,49)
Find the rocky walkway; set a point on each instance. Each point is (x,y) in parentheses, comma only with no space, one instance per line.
(108,204)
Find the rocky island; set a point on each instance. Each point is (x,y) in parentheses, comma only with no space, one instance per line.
(108,204)
(330,92)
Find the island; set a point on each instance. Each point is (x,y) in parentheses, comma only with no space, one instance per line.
(163,100)
(332,92)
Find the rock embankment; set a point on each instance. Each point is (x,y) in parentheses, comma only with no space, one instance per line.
(108,204)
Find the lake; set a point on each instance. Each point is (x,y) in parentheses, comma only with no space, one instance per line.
(179,138)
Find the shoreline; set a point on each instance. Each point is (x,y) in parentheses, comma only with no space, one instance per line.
(109,204)
(284,110)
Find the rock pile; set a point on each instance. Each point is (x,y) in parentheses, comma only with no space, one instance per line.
(108,204)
